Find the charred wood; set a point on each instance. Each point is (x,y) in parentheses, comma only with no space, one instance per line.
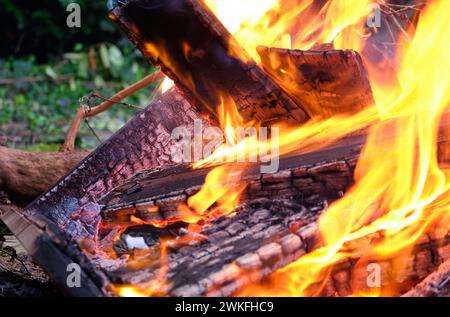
(436,284)
(143,143)
(194,49)
(327,83)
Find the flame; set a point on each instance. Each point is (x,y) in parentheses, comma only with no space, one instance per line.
(342,21)
(156,286)
(166,84)
(278,23)
(220,193)
(400,192)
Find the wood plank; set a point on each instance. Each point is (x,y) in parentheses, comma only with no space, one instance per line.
(327,83)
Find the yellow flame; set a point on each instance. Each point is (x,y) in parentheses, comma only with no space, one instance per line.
(166,84)
(274,22)
(400,189)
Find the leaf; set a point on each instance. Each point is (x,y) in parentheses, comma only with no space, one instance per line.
(99,82)
(78,47)
(104,56)
(50,72)
(83,67)
(115,56)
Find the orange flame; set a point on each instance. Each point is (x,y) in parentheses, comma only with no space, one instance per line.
(273,22)
(400,192)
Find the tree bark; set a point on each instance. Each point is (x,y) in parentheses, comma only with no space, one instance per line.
(25,175)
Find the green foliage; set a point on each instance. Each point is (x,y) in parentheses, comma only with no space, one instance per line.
(73,61)
(40,112)
(39,27)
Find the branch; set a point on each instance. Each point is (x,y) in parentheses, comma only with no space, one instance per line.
(86,112)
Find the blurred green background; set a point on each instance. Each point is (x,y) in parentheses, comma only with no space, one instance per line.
(46,67)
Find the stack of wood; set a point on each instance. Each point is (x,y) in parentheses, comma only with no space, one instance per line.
(99,215)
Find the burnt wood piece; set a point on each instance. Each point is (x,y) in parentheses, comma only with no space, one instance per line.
(257,239)
(143,143)
(264,236)
(327,83)
(399,272)
(327,173)
(54,251)
(43,236)
(436,284)
(262,226)
(194,49)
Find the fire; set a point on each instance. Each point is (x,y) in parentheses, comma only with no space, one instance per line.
(293,24)
(342,21)
(223,186)
(401,197)
(166,84)
(156,286)
(400,189)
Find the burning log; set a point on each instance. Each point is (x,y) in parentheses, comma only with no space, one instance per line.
(327,173)
(326,83)
(54,232)
(266,234)
(304,186)
(194,49)
(436,284)
(146,239)
(397,273)
(144,143)
(300,195)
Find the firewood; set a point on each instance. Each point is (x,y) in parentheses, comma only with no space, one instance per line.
(326,83)
(143,143)
(25,175)
(398,273)
(302,185)
(301,193)
(436,284)
(193,48)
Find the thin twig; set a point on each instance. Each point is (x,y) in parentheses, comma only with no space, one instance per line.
(87,111)
(92,130)
(129,105)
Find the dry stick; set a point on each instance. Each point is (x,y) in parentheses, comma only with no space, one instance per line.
(86,112)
